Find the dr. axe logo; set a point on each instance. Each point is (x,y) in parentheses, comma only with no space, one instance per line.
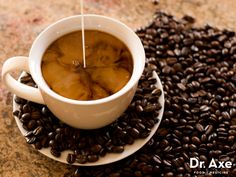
(194,163)
(215,167)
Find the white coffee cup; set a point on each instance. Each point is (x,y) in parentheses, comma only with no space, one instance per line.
(79,114)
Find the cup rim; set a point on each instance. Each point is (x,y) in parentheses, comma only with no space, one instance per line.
(38,78)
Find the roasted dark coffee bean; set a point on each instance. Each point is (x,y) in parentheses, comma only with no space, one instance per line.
(55,153)
(52,143)
(117,149)
(25,117)
(117,174)
(140,126)
(38,130)
(189,19)
(38,145)
(156,91)
(192,147)
(92,158)
(164,143)
(157,159)
(169,174)
(25,79)
(199,127)
(150,108)
(71,158)
(31,124)
(26,108)
(139,108)
(96,148)
(168,149)
(181,86)
(186,139)
(167,162)
(134,132)
(204,108)
(35,115)
(187,167)
(44,142)
(28,134)
(16,113)
(31,140)
(171,61)
(196,140)
(232,104)
(208,129)
(19,100)
(81,159)
(147,169)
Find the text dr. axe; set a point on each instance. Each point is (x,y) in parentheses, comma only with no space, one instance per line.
(194,163)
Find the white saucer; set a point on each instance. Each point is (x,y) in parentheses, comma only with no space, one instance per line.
(109,157)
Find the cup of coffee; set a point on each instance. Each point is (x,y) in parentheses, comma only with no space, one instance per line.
(83,96)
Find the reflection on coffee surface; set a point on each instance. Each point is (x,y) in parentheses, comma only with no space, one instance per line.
(109,65)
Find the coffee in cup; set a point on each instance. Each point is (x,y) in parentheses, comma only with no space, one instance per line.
(108,68)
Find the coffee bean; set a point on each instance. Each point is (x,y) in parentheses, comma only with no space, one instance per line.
(187,167)
(167,70)
(209,129)
(92,158)
(96,148)
(19,100)
(150,108)
(204,108)
(156,92)
(181,86)
(169,174)
(45,111)
(25,79)
(31,140)
(81,159)
(134,132)
(199,127)
(171,61)
(29,134)
(25,117)
(167,162)
(117,149)
(38,130)
(157,159)
(185,156)
(71,158)
(232,104)
(196,140)
(117,174)
(31,124)
(26,108)
(193,147)
(189,19)
(139,108)
(55,153)
(35,115)
(167,149)
(203,137)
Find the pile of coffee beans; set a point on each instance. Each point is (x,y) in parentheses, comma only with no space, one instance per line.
(197,67)
(45,130)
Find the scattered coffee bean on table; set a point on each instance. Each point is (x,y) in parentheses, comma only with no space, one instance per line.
(45,130)
(197,67)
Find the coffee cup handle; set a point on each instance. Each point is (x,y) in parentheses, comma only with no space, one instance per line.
(21,90)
